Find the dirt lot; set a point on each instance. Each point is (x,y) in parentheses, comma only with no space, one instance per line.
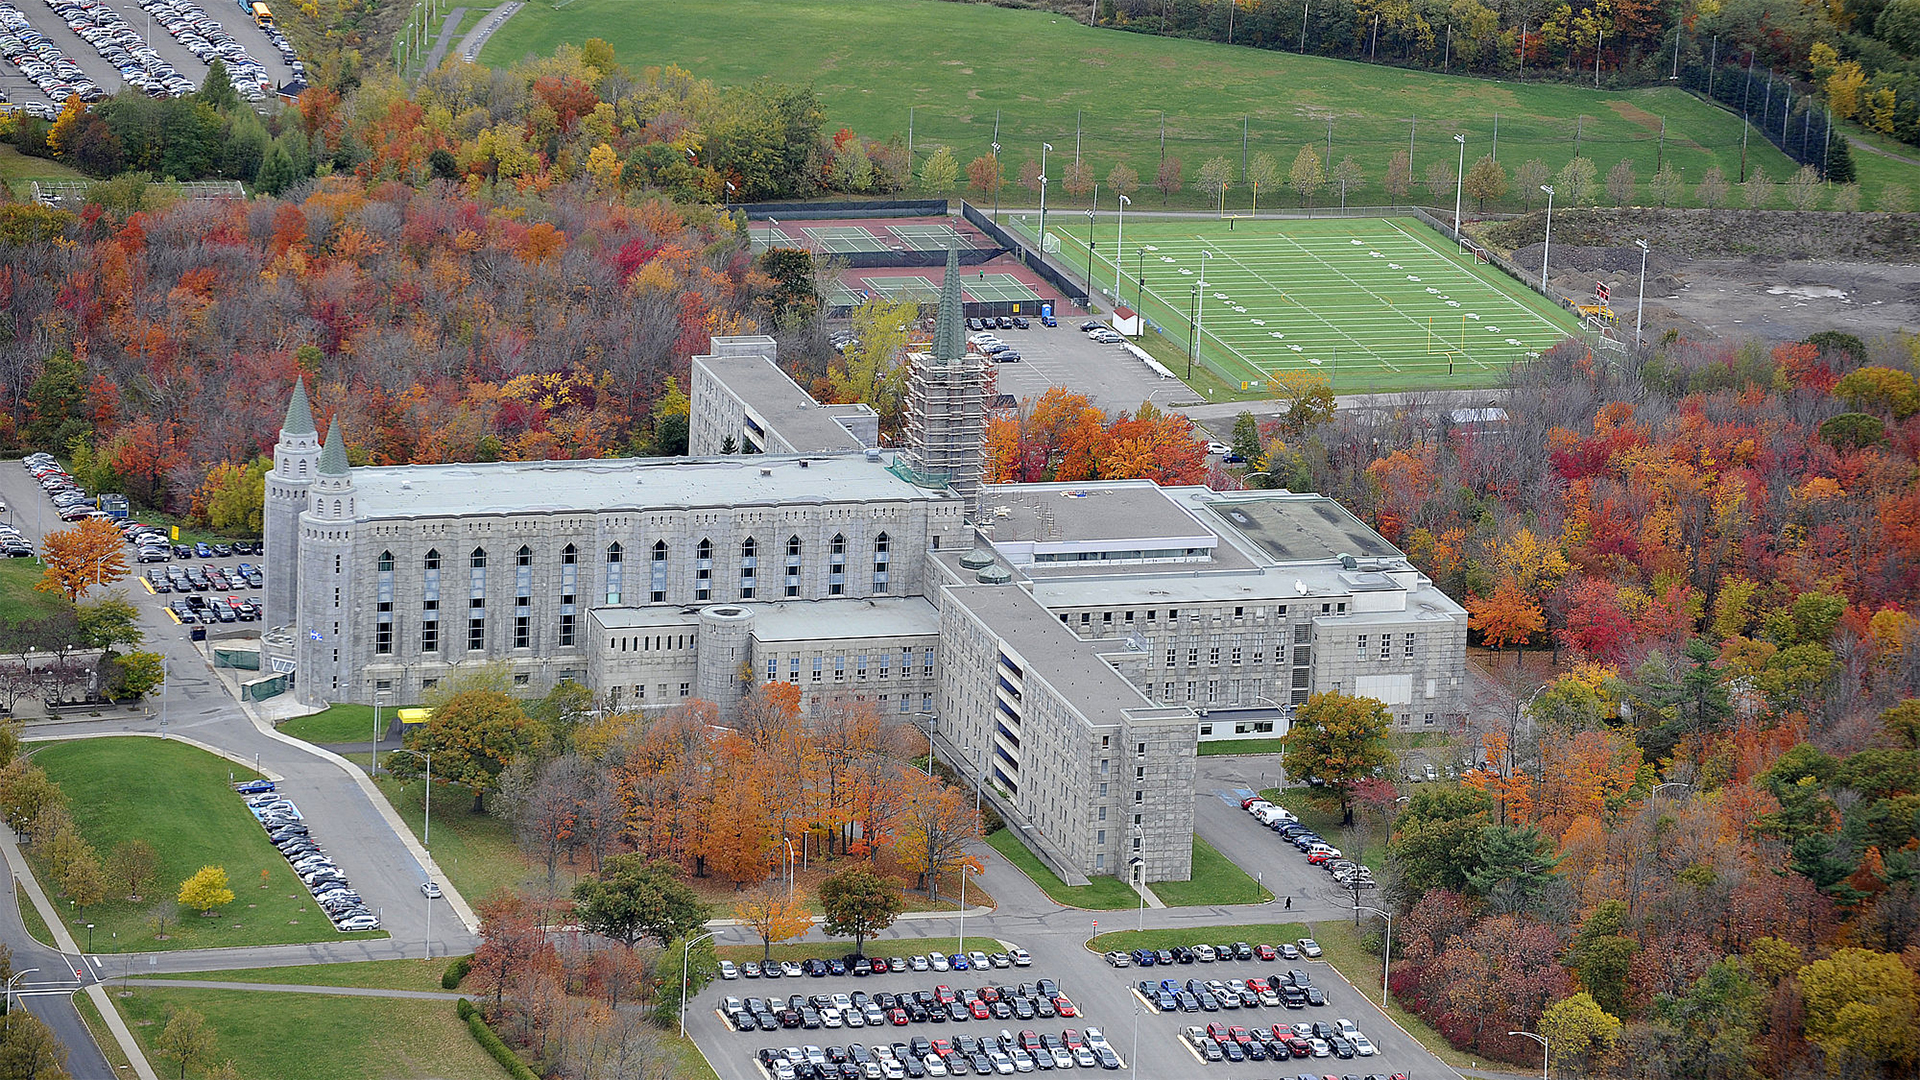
(1736,273)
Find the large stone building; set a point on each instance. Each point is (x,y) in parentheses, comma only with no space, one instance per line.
(1066,644)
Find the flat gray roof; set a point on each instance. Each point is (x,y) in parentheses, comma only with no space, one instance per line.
(1298,528)
(811,620)
(624,484)
(1048,649)
(1114,512)
(780,403)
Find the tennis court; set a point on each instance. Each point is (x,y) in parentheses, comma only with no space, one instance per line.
(911,287)
(930,237)
(976,287)
(843,239)
(1364,301)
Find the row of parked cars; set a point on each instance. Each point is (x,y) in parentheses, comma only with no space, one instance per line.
(42,62)
(1347,873)
(322,877)
(122,46)
(70,501)
(987,1055)
(1039,1000)
(206,39)
(1207,954)
(1291,989)
(1101,332)
(1279,1042)
(861,966)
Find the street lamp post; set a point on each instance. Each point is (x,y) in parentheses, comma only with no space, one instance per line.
(1459,185)
(789,841)
(686,951)
(89,937)
(16,978)
(1546,241)
(1140,279)
(379,696)
(1640,307)
(1542,1040)
(1386,965)
(1119,239)
(426,831)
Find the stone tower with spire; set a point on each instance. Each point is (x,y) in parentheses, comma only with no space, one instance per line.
(325,593)
(946,398)
(296,461)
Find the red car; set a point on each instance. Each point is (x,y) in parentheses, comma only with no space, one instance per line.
(944,994)
(1250,800)
(979,1009)
(1319,857)
(877,965)
(1217,1032)
(1071,1036)
(1265,952)
(1065,1007)
(898,1017)
(1029,1040)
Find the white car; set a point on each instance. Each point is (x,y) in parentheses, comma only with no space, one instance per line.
(1021,957)
(939,961)
(1309,947)
(431,890)
(1218,448)
(919,963)
(979,960)
(1361,1044)
(359,922)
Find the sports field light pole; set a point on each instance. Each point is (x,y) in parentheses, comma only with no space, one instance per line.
(996,182)
(789,841)
(1199,309)
(686,951)
(1044,147)
(1119,249)
(1542,1040)
(1459,185)
(1546,241)
(1140,277)
(1091,211)
(1640,308)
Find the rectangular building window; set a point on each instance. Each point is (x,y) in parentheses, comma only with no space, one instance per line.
(860,666)
(1213,656)
(839,669)
(522,632)
(1360,647)
(1170,657)
(383,628)
(1386,647)
(773,669)
(817,662)
(1409,646)
(928,669)
(566,630)
(476,625)
(1193,656)
(430,626)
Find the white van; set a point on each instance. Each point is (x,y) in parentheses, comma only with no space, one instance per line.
(1269,815)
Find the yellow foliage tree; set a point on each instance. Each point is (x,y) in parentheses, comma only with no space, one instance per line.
(1843,89)
(206,889)
(768,913)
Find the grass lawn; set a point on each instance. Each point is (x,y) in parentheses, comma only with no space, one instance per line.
(36,926)
(1253,934)
(338,724)
(176,799)
(1042,76)
(1326,822)
(477,852)
(1240,746)
(1370,303)
(689,1062)
(380,974)
(1341,944)
(1216,880)
(1103,894)
(17,168)
(315,1037)
(19,601)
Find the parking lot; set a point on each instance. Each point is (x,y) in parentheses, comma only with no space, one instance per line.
(1111,376)
(1145,1042)
(156,53)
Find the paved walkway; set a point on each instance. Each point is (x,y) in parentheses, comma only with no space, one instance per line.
(445,41)
(291,988)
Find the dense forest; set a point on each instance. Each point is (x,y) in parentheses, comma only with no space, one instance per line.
(1691,845)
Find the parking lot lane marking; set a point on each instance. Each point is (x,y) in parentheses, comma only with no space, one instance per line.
(149,587)
(1142,998)
(1191,1049)
(171,615)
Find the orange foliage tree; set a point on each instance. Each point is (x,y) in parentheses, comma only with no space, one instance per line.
(1508,617)
(91,553)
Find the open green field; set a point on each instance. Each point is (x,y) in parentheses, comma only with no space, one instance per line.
(477,852)
(1033,76)
(19,601)
(338,724)
(1216,880)
(313,1036)
(1370,303)
(1100,894)
(176,798)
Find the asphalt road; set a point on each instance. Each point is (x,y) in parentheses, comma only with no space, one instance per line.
(48,992)
(342,818)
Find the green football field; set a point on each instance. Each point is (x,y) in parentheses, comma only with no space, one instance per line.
(1367,302)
